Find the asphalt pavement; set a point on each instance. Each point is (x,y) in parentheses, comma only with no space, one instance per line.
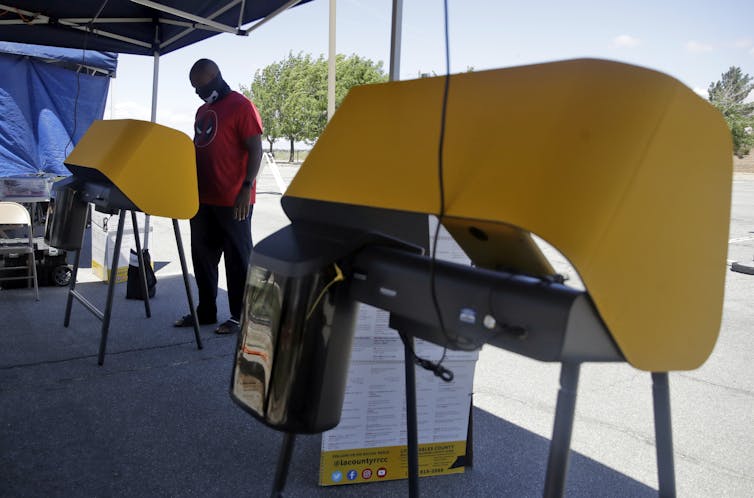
(157,420)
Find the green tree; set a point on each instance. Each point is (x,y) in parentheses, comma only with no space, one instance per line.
(267,94)
(291,95)
(729,95)
(350,71)
(353,71)
(301,109)
(285,93)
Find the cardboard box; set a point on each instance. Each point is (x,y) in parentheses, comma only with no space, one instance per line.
(103,246)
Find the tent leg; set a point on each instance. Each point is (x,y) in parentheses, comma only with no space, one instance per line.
(331,63)
(395,40)
(184,269)
(153,119)
(155,81)
(663,434)
(560,446)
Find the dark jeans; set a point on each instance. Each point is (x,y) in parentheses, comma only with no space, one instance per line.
(214,233)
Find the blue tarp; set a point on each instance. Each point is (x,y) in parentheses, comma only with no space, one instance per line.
(46,105)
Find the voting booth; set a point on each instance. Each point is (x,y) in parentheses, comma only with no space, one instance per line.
(121,167)
(636,166)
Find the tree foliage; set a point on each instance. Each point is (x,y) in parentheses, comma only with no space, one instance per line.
(729,96)
(300,109)
(353,71)
(291,94)
(265,90)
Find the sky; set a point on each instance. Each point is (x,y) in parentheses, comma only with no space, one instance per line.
(693,41)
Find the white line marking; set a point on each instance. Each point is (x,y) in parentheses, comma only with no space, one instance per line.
(745,238)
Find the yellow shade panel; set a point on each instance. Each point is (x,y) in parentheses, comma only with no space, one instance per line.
(153,165)
(624,170)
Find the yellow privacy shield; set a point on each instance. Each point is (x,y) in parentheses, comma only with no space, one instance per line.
(152,164)
(624,170)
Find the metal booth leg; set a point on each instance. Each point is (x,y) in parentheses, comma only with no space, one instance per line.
(560,446)
(111,288)
(142,268)
(184,269)
(663,434)
(284,463)
(72,287)
(412,432)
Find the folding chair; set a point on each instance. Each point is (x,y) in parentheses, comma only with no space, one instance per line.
(14,214)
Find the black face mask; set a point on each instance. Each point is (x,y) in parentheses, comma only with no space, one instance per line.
(213,91)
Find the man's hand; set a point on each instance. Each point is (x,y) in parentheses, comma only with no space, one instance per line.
(241,207)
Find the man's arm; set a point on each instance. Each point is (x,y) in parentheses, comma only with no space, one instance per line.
(254,146)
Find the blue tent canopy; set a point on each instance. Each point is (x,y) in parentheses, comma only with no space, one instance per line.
(48,98)
(92,61)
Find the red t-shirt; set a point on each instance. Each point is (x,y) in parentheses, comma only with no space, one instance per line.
(220,131)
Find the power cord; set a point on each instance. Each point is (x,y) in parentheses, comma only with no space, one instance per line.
(338,278)
(90,26)
(437,367)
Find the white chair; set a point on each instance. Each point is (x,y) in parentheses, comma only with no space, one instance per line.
(15,215)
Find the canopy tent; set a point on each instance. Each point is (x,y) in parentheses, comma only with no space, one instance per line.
(49,97)
(132,26)
(148,27)
(153,28)
(124,26)
(142,27)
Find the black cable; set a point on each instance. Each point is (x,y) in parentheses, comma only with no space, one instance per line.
(89,28)
(437,368)
(440,175)
(76,102)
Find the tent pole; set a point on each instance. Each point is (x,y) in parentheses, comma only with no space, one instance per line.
(155,80)
(412,432)
(331,65)
(112,95)
(395,41)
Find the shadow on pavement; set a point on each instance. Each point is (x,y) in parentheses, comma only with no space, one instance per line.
(157,419)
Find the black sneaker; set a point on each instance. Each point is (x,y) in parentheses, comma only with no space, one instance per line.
(231,326)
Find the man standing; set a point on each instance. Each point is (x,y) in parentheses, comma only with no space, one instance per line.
(228,144)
